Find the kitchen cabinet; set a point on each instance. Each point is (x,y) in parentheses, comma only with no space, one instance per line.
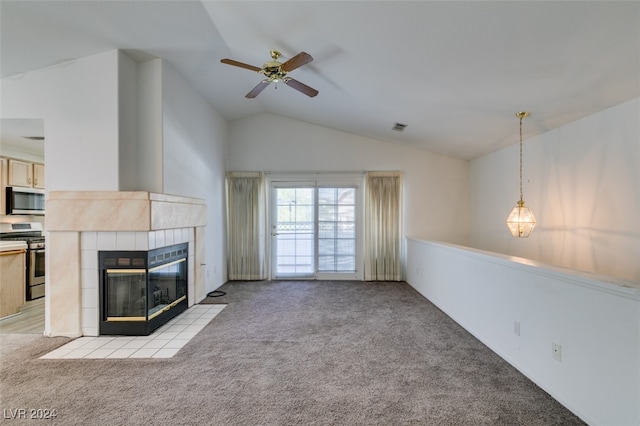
(25,174)
(38,175)
(12,279)
(3,184)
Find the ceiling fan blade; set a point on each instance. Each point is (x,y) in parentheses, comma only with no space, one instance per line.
(297,61)
(301,87)
(240,64)
(256,90)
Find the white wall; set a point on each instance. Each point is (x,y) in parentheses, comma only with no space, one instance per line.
(436,187)
(194,154)
(596,322)
(582,182)
(128,158)
(88,108)
(79,104)
(149,112)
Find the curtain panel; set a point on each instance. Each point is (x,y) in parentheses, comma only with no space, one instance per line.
(383,225)
(246,226)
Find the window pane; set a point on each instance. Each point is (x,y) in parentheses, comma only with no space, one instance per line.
(346,213)
(347,247)
(304,196)
(326,230)
(336,228)
(346,196)
(327,212)
(346,263)
(346,230)
(326,263)
(327,196)
(326,247)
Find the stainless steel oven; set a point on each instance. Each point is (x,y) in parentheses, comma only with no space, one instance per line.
(31,233)
(35,271)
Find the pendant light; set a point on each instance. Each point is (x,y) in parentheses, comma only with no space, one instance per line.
(521,221)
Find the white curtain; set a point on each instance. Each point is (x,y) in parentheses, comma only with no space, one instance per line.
(383,225)
(246,226)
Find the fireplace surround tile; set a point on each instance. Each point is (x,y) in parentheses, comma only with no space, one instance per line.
(91,221)
(107,240)
(160,238)
(88,259)
(89,276)
(89,321)
(169,236)
(142,241)
(126,240)
(152,241)
(89,240)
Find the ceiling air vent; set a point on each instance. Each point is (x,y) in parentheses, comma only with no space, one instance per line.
(34,138)
(398,127)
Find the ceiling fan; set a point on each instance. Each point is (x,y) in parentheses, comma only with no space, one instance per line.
(277,71)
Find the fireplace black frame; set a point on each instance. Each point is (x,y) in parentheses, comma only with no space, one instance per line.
(139,261)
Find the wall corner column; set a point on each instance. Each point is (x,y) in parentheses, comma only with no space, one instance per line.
(200,264)
(63,285)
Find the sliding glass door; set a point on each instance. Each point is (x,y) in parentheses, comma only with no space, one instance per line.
(293,231)
(315,230)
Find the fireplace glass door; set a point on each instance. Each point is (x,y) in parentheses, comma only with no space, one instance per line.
(140,291)
(168,286)
(127,293)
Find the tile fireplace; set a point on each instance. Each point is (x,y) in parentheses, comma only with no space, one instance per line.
(83,224)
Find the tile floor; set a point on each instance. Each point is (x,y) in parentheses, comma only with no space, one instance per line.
(165,342)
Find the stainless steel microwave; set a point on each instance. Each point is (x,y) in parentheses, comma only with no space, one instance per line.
(25,200)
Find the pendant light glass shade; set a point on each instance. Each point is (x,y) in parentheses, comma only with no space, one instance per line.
(521,221)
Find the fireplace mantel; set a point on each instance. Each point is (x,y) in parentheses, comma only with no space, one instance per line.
(79,223)
(121,211)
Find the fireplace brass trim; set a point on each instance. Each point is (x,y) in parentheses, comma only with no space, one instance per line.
(164,265)
(126,271)
(115,319)
(166,308)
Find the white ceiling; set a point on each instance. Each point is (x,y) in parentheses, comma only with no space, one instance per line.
(455,72)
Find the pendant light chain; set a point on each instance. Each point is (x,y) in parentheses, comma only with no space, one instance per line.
(521,117)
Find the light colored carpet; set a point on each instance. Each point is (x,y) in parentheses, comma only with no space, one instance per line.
(291,353)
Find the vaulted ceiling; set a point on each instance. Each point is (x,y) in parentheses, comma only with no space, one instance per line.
(455,72)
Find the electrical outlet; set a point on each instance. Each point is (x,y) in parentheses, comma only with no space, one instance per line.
(516,328)
(556,352)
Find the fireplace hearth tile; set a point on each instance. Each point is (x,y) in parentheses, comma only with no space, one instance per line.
(165,342)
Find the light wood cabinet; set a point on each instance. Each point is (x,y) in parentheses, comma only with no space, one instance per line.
(3,184)
(38,175)
(12,281)
(25,174)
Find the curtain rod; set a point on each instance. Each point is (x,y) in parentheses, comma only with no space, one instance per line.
(333,172)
